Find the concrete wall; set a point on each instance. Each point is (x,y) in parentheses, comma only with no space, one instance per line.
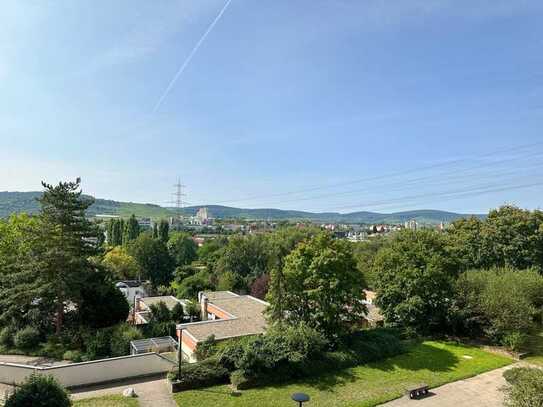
(97,371)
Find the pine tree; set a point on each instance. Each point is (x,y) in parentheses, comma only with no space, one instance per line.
(69,240)
(155,230)
(51,268)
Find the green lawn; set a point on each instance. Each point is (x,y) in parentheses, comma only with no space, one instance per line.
(107,401)
(534,345)
(433,363)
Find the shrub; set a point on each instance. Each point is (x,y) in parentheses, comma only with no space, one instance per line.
(73,355)
(39,391)
(121,338)
(98,344)
(282,353)
(238,379)
(27,338)
(206,348)
(201,374)
(513,375)
(513,340)
(6,336)
(525,388)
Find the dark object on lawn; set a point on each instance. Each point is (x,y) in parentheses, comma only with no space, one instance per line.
(300,398)
(418,391)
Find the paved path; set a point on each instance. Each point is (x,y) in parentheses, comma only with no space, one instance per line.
(481,391)
(151,391)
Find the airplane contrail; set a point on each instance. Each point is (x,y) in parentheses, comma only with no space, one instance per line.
(190,56)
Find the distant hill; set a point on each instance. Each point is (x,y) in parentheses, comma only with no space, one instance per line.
(16,202)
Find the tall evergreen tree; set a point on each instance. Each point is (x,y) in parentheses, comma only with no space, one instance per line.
(131,229)
(163,230)
(69,239)
(155,230)
(54,265)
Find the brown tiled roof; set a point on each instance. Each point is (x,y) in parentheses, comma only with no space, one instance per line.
(248,313)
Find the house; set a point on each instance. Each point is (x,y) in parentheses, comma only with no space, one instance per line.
(225,315)
(131,289)
(142,310)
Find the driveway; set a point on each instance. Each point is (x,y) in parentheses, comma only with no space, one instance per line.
(481,391)
(151,391)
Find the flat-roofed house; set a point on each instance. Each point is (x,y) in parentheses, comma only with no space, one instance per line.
(225,315)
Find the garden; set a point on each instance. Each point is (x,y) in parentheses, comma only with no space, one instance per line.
(432,362)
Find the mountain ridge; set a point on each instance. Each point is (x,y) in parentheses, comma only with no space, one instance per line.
(16,202)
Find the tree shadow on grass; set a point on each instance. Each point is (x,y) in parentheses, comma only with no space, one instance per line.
(325,382)
(421,356)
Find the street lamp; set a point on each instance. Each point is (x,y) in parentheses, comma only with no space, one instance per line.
(300,398)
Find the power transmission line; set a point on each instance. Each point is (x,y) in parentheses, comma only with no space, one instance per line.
(379,177)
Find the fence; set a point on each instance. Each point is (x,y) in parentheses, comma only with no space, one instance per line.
(94,372)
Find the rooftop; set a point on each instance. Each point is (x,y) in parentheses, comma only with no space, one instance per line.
(169,300)
(248,317)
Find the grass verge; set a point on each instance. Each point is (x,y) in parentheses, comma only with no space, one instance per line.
(107,401)
(434,363)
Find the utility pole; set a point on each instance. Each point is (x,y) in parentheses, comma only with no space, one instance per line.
(178,194)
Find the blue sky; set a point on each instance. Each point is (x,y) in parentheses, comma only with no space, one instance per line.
(316,105)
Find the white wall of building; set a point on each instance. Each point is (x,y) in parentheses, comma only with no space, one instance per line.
(86,373)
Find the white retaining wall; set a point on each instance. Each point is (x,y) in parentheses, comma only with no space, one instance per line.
(96,371)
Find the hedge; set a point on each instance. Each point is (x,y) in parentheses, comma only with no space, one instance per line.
(200,374)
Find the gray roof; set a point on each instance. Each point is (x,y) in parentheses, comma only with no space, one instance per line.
(248,317)
(169,300)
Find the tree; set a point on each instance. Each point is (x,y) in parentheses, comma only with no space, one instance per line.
(155,230)
(414,279)
(500,303)
(191,286)
(178,313)
(19,245)
(115,232)
(280,244)
(122,265)
(160,312)
(508,237)
(61,246)
(364,254)
(207,253)
(102,304)
(244,258)
(39,391)
(69,240)
(193,310)
(260,286)
(131,229)
(323,288)
(163,231)
(182,248)
(153,259)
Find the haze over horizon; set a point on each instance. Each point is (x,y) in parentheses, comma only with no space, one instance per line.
(314,105)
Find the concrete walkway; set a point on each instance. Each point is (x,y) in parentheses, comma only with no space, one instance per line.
(481,391)
(151,391)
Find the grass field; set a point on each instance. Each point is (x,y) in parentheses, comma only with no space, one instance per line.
(433,363)
(107,401)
